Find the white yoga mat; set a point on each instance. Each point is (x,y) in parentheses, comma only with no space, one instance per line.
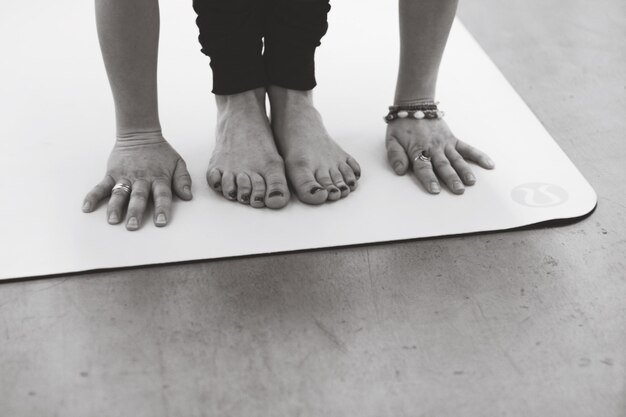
(57,127)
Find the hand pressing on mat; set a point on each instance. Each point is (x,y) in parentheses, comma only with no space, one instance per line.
(417,137)
(431,150)
(142,163)
(141,166)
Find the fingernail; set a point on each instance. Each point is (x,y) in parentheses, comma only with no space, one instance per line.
(275,194)
(217,186)
(343,188)
(489,162)
(132,222)
(470,178)
(258,198)
(86,206)
(232,195)
(434,187)
(315,189)
(398,167)
(186,189)
(161,219)
(245,198)
(457,186)
(351,183)
(357,175)
(113,218)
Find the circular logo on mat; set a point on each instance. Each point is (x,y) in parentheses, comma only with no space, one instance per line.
(539,194)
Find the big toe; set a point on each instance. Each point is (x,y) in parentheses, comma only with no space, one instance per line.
(307,188)
(277,192)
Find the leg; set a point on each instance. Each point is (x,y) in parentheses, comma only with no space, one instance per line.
(141,158)
(245,165)
(318,169)
(424,29)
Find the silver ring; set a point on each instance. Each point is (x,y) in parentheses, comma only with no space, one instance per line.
(422,157)
(121,186)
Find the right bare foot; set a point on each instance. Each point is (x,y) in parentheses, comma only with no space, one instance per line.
(245,165)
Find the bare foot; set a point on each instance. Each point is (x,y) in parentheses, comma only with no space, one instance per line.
(317,168)
(245,165)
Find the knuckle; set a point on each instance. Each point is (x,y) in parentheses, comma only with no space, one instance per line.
(421,168)
(441,164)
(456,159)
(140,196)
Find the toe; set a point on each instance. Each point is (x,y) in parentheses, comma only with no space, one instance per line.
(277,192)
(323,177)
(355,167)
(307,188)
(244,188)
(229,186)
(337,178)
(348,175)
(257,196)
(214,178)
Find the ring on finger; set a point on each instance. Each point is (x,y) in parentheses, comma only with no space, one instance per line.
(422,157)
(121,186)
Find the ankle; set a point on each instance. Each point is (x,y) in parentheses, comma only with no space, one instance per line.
(287,97)
(246,98)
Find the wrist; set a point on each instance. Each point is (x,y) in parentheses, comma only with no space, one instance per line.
(414,101)
(139,136)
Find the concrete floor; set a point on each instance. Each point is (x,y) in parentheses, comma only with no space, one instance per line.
(529,323)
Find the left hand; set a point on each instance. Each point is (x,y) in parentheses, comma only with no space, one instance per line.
(407,139)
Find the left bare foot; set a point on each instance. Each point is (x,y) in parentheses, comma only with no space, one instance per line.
(316,166)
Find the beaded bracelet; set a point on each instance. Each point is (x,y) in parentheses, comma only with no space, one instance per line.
(414,111)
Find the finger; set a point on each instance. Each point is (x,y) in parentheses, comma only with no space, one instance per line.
(396,155)
(461,167)
(323,177)
(229,186)
(257,197)
(214,178)
(137,205)
(472,154)
(355,167)
(423,171)
(348,175)
(244,188)
(444,170)
(98,193)
(117,203)
(337,178)
(162,195)
(182,181)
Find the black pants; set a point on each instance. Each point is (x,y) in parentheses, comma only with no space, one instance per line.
(233,34)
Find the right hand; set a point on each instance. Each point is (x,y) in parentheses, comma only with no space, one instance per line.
(150,166)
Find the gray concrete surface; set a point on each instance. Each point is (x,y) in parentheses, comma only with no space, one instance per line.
(529,323)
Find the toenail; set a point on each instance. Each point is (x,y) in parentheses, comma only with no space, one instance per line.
(315,189)
(232,195)
(334,190)
(245,198)
(343,188)
(258,198)
(351,183)
(275,194)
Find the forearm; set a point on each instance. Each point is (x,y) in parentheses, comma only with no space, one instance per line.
(424,29)
(128,31)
